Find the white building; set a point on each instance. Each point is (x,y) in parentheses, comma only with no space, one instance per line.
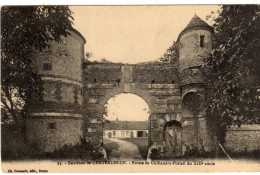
(125,129)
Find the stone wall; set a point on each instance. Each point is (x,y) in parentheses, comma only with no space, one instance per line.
(50,133)
(102,73)
(243,140)
(164,74)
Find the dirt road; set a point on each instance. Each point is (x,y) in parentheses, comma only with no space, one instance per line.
(123,150)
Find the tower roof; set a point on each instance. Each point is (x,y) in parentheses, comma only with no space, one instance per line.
(196,22)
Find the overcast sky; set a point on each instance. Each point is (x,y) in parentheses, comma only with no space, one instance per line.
(132,34)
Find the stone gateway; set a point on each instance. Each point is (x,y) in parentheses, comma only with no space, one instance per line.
(74,94)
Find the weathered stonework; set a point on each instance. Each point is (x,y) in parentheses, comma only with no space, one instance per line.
(241,141)
(57,119)
(67,131)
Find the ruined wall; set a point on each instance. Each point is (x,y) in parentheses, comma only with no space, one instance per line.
(156,84)
(158,74)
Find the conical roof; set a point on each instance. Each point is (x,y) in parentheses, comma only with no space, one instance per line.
(196,22)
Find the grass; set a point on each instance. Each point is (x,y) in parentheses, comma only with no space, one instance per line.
(142,144)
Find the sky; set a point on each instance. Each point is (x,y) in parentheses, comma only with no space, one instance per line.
(127,107)
(133,34)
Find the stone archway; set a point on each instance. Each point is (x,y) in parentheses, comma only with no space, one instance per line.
(131,88)
(161,93)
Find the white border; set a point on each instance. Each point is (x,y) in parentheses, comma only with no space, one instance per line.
(125,2)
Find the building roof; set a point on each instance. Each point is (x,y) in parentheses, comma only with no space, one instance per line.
(126,125)
(196,22)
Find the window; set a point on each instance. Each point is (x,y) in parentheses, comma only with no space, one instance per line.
(202,37)
(114,133)
(127,133)
(52,125)
(47,66)
(122,133)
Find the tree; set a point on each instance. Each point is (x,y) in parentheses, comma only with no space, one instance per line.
(24,29)
(171,55)
(233,84)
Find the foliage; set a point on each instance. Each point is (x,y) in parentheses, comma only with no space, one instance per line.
(232,72)
(14,148)
(83,151)
(171,55)
(24,29)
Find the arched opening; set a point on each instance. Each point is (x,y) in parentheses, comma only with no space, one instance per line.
(126,129)
(172,138)
(192,105)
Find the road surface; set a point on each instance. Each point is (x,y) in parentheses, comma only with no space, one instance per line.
(123,150)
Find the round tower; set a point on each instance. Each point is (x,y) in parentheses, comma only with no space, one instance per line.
(56,119)
(195,46)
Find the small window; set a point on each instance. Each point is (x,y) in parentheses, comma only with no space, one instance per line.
(122,133)
(47,66)
(52,125)
(202,37)
(114,133)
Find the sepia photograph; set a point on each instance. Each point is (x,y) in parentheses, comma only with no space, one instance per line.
(130,88)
